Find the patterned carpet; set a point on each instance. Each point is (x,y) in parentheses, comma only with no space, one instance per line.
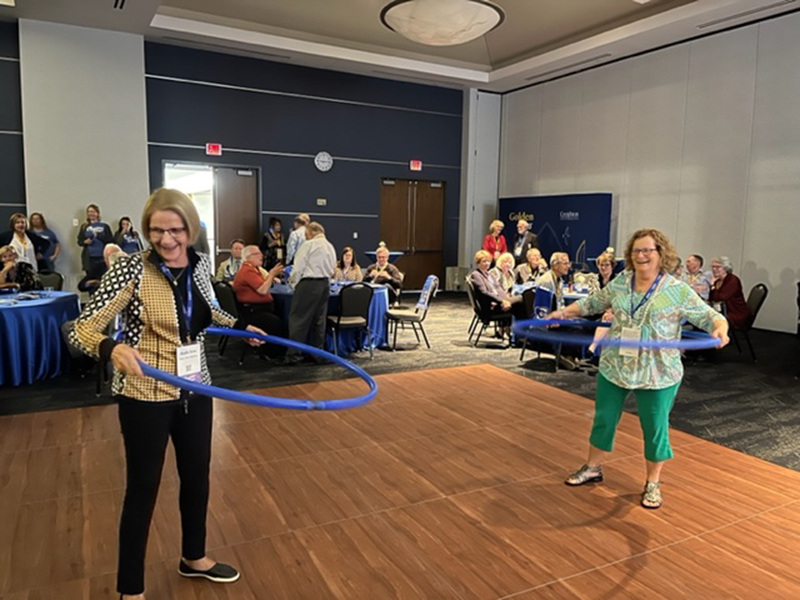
(726,398)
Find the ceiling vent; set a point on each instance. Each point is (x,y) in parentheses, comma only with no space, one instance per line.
(119,4)
(744,14)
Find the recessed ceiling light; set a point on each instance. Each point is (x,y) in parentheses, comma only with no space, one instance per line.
(641,1)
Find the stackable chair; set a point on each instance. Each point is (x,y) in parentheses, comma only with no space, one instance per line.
(398,318)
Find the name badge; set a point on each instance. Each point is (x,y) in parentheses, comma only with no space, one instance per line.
(188,360)
(630,334)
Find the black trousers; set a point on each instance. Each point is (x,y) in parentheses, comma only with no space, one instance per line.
(146,430)
(308,313)
(263,316)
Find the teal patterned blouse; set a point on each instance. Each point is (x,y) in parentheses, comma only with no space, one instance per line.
(659,319)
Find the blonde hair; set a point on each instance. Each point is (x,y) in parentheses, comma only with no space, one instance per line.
(505,257)
(605,256)
(555,256)
(16,217)
(8,248)
(496,223)
(668,258)
(532,251)
(177,202)
(482,255)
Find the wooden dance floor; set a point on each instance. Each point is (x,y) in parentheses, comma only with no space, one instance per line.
(449,485)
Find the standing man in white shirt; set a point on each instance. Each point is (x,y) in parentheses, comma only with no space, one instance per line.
(297,237)
(311,275)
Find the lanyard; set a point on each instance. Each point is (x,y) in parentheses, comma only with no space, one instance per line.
(647,294)
(186,304)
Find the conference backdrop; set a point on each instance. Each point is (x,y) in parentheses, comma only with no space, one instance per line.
(562,222)
(276,117)
(12,172)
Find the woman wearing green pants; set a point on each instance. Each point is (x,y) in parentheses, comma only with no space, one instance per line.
(648,304)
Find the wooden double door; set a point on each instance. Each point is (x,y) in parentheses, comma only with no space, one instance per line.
(412,221)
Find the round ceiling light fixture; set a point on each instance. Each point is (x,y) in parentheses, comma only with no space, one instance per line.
(442,22)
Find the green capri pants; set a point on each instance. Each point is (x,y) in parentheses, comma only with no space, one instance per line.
(653,407)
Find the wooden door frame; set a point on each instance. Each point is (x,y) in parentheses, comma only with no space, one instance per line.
(199,163)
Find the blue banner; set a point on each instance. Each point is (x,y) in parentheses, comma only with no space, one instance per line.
(563,223)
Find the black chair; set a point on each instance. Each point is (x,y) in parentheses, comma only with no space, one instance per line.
(475,310)
(52,279)
(397,318)
(227,302)
(484,315)
(528,297)
(101,374)
(354,301)
(755,300)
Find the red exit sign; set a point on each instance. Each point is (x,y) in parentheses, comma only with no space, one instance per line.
(214,149)
(415,165)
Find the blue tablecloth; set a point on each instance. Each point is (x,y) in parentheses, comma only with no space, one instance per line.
(349,338)
(31,347)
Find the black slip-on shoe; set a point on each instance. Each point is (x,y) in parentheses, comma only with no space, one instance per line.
(219,573)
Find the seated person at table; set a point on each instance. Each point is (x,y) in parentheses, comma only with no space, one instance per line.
(491,297)
(532,269)
(698,280)
(503,271)
(228,268)
(251,286)
(91,280)
(385,273)
(605,273)
(347,268)
(552,281)
(727,287)
(16,274)
(28,245)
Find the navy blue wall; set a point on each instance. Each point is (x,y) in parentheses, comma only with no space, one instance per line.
(12,170)
(381,123)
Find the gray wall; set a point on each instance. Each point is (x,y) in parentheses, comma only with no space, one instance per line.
(701,140)
(83,106)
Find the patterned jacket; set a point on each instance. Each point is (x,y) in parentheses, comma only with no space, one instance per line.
(136,289)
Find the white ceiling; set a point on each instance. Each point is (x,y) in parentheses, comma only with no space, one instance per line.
(539,39)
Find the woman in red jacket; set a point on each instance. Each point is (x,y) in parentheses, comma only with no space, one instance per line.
(727,287)
(494,242)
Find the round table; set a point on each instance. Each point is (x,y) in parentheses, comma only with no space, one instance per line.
(348,338)
(31,347)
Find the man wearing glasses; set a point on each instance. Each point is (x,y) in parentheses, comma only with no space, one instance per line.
(553,281)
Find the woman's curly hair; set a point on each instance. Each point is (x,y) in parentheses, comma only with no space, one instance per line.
(668,258)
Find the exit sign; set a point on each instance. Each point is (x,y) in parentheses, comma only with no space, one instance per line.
(214,149)
(415,165)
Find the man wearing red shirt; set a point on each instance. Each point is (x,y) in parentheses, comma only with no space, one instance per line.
(251,286)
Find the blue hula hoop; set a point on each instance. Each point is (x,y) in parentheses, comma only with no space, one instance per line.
(271,401)
(536,329)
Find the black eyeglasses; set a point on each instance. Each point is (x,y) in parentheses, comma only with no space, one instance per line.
(174,232)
